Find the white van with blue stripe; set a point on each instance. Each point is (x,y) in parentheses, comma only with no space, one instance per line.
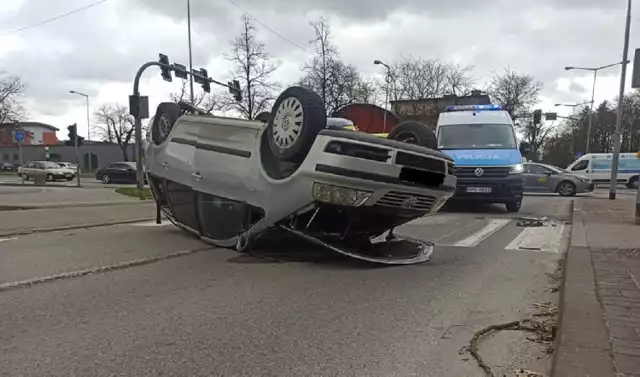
(597,167)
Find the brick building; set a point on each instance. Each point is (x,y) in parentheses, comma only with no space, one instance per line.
(35,133)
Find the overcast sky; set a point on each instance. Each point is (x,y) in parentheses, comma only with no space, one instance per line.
(97,51)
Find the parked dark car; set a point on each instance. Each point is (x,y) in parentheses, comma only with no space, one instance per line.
(7,166)
(118,172)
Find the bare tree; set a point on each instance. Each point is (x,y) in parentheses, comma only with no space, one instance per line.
(417,79)
(337,83)
(11,88)
(206,101)
(115,125)
(253,68)
(515,92)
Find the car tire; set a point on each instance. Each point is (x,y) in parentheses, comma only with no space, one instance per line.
(299,115)
(263,117)
(513,206)
(70,178)
(50,178)
(633,182)
(106,179)
(566,188)
(166,116)
(413,132)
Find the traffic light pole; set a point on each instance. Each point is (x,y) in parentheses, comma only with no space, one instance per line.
(75,147)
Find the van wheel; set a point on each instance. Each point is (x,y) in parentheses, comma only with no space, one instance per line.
(166,116)
(513,206)
(413,132)
(298,115)
(633,182)
(566,188)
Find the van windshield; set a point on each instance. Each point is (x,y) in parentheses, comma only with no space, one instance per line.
(476,136)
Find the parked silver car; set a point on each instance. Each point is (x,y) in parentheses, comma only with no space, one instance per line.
(547,178)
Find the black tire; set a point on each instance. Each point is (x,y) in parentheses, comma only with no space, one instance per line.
(513,206)
(566,188)
(166,116)
(633,181)
(105,179)
(298,116)
(70,178)
(413,132)
(50,178)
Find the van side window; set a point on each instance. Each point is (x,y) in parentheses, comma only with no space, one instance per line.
(582,165)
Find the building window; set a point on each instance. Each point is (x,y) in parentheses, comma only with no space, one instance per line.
(15,157)
(5,157)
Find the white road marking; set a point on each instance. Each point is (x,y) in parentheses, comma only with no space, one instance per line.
(474,240)
(8,239)
(152,223)
(543,239)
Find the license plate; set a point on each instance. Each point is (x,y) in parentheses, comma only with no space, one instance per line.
(482,190)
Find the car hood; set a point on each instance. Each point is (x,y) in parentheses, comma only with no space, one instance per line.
(484,157)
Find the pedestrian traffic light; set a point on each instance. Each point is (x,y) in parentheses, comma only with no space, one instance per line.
(234,88)
(165,70)
(537,116)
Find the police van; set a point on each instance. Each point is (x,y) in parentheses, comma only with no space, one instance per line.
(488,161)
(597,167)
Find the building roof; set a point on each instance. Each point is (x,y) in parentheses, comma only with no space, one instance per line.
(30,124)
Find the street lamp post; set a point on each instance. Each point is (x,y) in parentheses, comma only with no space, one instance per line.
(386,93)
(86,97)
(190,56)
(593,92)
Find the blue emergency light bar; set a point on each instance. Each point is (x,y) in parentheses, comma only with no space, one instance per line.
(474,108)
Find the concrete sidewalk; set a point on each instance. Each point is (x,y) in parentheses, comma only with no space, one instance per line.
(599,326)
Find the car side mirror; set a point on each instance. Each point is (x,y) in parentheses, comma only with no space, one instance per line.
(524,147)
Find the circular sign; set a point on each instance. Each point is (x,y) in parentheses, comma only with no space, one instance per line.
(19,135)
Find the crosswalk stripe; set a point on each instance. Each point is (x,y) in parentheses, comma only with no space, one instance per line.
(543,239)
(474,240)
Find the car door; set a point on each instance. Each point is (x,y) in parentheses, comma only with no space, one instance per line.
(116,172)
(537,178)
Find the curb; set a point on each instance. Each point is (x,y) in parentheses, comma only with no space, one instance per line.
(582,344)
(19,207)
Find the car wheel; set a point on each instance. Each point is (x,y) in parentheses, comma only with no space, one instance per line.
(50,178)
(633,182)
(413,132)
(69,178)
(566,188)
(166,116)
(514,206)
(106,179)
(298,116)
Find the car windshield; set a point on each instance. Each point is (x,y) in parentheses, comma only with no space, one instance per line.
(476,136)
(50,165)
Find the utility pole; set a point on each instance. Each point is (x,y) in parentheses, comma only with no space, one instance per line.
(190,56)
(617,136)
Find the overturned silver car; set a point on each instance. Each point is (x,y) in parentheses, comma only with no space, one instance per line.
(230,181)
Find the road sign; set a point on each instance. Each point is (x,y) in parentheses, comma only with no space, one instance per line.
(579,154)
(19,136)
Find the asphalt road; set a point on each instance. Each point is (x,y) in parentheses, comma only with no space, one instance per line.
(102,311)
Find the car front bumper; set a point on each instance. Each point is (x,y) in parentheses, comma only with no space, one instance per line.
(509,188)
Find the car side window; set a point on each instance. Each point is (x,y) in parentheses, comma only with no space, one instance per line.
(536,169)
(582,165)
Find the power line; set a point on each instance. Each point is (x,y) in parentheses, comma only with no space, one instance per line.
(53,18)
(267,27)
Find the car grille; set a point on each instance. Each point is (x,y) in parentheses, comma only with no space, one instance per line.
(420,162)
(404,200)
(487,172)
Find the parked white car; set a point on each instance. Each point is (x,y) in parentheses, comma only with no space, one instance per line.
(51,170)
(230,181)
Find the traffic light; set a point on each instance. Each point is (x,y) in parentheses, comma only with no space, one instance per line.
(165,71)
(202,77)
(537,116)
(73,134)
(234,88)
(80,140)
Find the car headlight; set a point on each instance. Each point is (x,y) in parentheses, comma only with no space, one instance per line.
(516,169)
(326,193)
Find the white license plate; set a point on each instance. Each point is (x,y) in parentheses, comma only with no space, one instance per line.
(482,190)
